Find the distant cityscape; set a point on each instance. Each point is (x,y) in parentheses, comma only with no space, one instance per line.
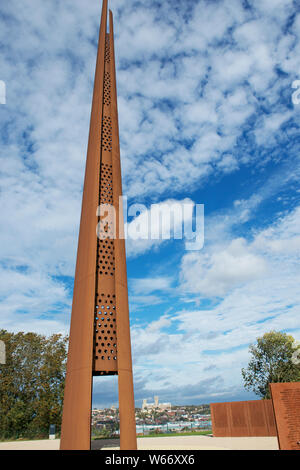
(155,417)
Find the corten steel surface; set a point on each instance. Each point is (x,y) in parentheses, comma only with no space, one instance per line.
(286,404)
(243,418)
(100,333)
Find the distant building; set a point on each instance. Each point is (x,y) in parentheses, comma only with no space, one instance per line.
(144,405)
(156,405)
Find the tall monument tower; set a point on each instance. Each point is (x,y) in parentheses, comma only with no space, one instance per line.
(100,335)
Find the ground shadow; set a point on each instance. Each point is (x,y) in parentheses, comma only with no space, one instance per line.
(100,444)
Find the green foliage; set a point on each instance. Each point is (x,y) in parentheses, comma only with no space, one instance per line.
(107,431)
(31,384)
(271,361)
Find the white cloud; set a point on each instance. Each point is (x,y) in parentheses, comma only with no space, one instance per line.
(161,222)
(191,82)
(259,281)
(140,301)
(26,298)
(281,238)
(270,125)
(151,284)
(216,273)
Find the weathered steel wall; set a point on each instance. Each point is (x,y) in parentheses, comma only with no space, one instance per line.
(243,418)
(286,404)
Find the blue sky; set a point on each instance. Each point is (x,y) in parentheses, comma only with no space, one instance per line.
(205,114)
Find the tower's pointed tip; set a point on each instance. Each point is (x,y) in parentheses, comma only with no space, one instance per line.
(105,4)
(111,19)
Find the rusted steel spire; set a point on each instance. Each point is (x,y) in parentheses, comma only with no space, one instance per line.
(100,333)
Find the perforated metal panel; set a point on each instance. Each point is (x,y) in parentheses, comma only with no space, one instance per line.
(107,94)
(105,333)
(106,189)
(107,50)
(106,134)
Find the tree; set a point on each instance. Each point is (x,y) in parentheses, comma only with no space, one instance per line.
(31,384)
(271,361)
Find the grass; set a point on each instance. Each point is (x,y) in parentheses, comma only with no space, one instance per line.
(169,434)
(166,434)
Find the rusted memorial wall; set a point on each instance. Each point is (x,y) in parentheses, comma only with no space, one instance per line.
(286,403)
(243,418)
